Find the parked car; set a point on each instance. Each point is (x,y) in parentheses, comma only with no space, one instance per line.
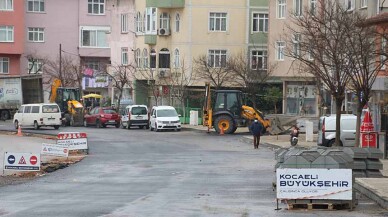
(38,115)
(135,115)
(164,118)
(101,117)
(326,130)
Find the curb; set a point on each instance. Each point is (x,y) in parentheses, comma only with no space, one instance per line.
(370,193)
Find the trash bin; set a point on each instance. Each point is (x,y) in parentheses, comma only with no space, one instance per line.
(309,131)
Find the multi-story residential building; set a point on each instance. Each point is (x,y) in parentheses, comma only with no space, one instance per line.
(122,40)
(11,36)
(80,27)
(172,34)
(299,89)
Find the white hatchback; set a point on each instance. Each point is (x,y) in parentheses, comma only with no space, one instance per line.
(164,118)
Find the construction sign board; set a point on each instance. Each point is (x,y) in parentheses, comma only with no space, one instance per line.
(55,150)
(73,140)
(22,161)
(330,184)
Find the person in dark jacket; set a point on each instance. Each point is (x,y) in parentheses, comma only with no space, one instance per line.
(256,129)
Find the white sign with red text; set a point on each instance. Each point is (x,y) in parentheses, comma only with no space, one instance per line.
(21,161)
(55,150)
(73,140)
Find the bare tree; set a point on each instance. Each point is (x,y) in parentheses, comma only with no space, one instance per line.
(319,41)
(121,76)
(179,82)
(365,45)
(152,85)
(217,73)
(251,75)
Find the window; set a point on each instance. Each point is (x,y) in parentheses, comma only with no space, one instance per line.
(35,6)
(217,58)
(4,65)
(177,22)
(6,5)
(217,22)
(94,37)
(313,7)
(35,66)
(280,45)
(6,33)
(96,7)
(35,109)
(151,20)
(260,22)
(124,56)
(298,8)
(281,9)
(139,23)
(383,57)
(258,59)
(153,59)
(36,34)
(164,58)
(364,3)
(349,5)
(164,21)
(145,56)
(177,63)
(138,58)
(296,45)
(310,53)
(124,23)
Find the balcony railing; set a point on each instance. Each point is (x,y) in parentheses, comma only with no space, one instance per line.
(165,3)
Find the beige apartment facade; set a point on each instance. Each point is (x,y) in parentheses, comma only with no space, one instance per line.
(171,35)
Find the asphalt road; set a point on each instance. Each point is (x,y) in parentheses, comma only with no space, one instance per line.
(142,173)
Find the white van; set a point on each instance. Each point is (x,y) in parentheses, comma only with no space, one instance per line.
(326,130)
(135,115)
(164,118)
(38,115)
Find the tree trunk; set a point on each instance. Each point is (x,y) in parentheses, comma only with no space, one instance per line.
(119,100)
(338,105)
(358,124)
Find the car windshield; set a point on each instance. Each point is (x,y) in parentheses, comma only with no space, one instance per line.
(139,111)
(109,111)
(166,113)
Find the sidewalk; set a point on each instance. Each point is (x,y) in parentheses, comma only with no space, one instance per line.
(374,188)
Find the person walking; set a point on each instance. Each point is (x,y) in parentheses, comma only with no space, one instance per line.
(256,129)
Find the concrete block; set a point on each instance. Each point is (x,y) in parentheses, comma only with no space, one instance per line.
(373,164)
(374,153)
(356,152)
(373,174)
(359,174)
(359,164)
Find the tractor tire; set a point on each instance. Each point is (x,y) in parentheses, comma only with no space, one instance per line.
(226,122)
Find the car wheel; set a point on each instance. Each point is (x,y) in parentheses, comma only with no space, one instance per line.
(156,128)
(121,124)
(85,123)
(16,125)
(178,130)
(141,127)
(56,127)
(103,125)
(98,124)
(151,129)
(36,126)
(117,125)
(5,115)
(148,127)
(331,143)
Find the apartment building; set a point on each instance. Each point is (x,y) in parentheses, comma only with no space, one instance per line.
(122,40)
(172,34)
(11,37)
(81,29)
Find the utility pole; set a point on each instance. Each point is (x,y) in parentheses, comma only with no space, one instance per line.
(60,62)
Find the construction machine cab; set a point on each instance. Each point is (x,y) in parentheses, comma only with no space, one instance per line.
(64,95)
(228,101)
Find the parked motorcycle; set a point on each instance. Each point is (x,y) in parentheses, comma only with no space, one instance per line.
(294,135)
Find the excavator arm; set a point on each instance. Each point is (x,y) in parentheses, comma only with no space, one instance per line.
(207,109)
(54,87)
(250,113)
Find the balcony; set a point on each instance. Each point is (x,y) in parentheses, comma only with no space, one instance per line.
(165,3)
(150,39)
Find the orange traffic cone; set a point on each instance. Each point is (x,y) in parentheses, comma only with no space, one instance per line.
(222,130)
(19,131)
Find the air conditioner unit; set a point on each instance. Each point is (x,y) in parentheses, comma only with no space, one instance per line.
(164,31)
(163,73)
